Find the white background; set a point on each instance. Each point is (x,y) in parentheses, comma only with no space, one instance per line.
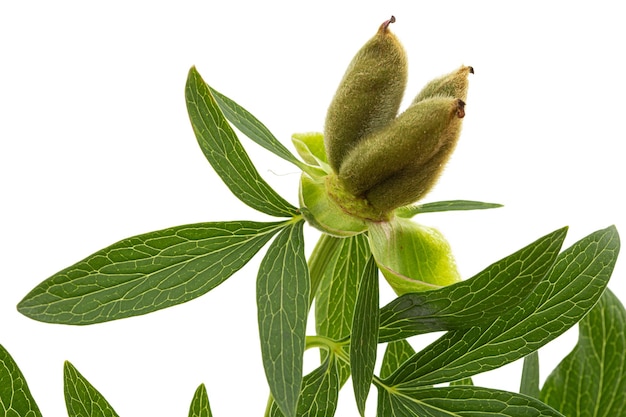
(96,146)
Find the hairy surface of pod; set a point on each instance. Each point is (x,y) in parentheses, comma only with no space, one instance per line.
(368,96)
(450,85)
(418,177)
(424,134)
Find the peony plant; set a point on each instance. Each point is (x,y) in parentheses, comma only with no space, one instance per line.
(361,183)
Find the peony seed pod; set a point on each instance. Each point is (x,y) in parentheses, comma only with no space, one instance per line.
(423,131)
(451,85)
(368,96)
(413,181)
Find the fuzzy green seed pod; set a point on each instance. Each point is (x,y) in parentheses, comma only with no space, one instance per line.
(368,96)
(423,131)
(450,85)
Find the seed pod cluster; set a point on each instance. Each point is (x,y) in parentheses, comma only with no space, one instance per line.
(392,161)
(368,96)
(428,132)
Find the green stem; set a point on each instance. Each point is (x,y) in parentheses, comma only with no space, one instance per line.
(326,343)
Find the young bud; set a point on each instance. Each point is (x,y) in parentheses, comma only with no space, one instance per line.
(368,96)
(451,85)
(424,133)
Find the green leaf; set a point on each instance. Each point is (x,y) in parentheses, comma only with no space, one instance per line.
(319,393)
(452,205)
(81,398)
(530,376)
(339,280)
(396,354)
(148,272)
(458,401)
(223,150)
(338,265)
(324,252)
(252,127)
(282,299)
(591,380)
(476,301)
(200,406)
(364,339)
(463,381)
(561,299)
(15,397)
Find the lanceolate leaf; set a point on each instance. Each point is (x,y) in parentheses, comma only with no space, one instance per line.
(395,355)
(338,265)
(148,272)
(81,398)
(591,380)
(225,153)
(364,339)
(336,296)
(453,205)
(283,303)
(458,401)
(200,403)
(323,255)
(568,291)
(252,127)
(319,393)
(476,301)
(530,376)
(15,397)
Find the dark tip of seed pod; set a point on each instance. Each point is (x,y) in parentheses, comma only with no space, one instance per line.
(386,23)
(460,108)
(471,70)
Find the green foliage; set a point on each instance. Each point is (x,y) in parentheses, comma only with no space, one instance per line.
(15,397)
(502,314)
(396,354)
(81,398)
(475,301)
(146,273)
(344,262)
(200,406)
(319,392)
(410,211)
(530,376)
(364,338)
(224,152)
(565,294)
(459,401)
(591,380)
(283,288)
